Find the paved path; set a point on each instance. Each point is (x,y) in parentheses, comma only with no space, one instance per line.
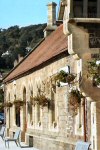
(13,146)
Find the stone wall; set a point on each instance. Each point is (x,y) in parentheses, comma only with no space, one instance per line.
(45,143)
(58,134)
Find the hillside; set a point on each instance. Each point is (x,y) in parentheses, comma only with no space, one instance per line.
(15,40)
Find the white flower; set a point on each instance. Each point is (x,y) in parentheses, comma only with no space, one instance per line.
(98,62)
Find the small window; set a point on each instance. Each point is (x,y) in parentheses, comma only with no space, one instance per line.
(92,8)
(78,8)
(17,113)
(92,0)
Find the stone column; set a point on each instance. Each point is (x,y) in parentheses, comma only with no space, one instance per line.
(14,116)
(95,125)
(98,8)
(85,8)
(33,116)
(36,114)
(50,118)
(98,125)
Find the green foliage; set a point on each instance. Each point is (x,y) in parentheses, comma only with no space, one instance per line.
(41,99)
(15,40)
(92,68)
(94,72)
(61,76)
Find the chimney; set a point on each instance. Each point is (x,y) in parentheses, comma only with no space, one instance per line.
(20,58)
(17,61)
(51,24)
(51,13)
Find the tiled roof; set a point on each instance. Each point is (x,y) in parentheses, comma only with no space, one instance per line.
(53,45)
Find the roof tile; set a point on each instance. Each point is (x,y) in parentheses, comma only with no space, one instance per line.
(53,45)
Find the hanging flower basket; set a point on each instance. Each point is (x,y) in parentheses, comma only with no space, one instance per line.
(70,78)
(8,104)
(75,100)
(18,103)
(36,98)
(61,76)
(41,100)
(64,77)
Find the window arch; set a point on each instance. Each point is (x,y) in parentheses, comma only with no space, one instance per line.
(24,94)
(30,112)
(24,110)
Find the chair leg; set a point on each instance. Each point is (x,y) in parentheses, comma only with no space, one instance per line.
(2,137)
(5,143)
(19,143)
(16,143)
(8,144)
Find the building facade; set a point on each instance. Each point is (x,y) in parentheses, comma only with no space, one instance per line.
(47,112)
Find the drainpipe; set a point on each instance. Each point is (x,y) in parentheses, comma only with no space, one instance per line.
(84,114)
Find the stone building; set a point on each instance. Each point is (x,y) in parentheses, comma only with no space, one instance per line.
(68,45)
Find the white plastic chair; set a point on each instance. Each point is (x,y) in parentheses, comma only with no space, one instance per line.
(2,132)
(15,139)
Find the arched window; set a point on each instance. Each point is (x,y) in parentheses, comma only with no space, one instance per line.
(24,94)
(17,114)
(24,110)
(30,107)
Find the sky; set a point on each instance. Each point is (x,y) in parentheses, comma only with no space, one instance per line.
(23,12)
